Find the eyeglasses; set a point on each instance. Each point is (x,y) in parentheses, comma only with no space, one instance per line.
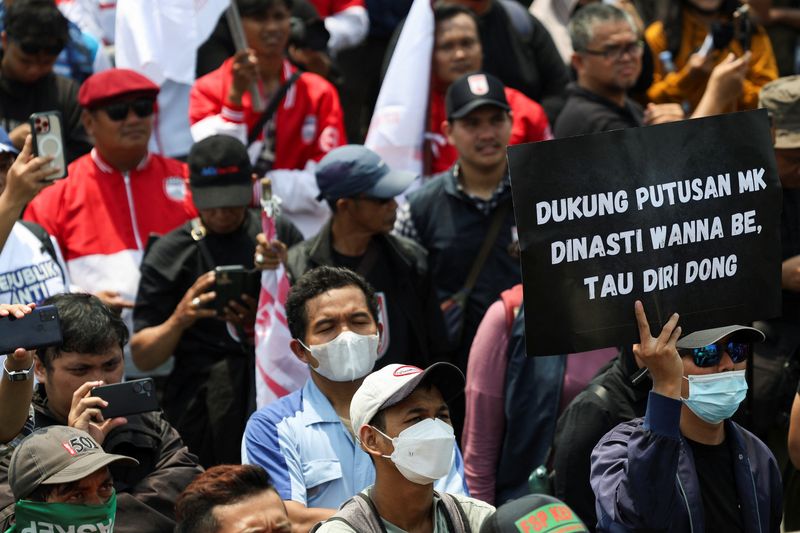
(615,53)
(143,108)
(710,355)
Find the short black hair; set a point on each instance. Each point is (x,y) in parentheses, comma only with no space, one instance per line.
(219,485)
(319,281)
(444,10)
(88,326)
(258,8)
(37,25)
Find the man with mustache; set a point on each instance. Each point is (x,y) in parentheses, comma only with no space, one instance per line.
(455,213)
(360,189)
(305,126)
(116,196)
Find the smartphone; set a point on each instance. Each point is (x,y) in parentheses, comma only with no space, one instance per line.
(128,397)
(39,329)
(231,282)
(48,139)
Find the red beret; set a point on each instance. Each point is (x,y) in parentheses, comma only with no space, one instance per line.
(114,83)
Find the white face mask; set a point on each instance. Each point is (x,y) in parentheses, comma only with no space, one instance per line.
(424,452)
(348,357)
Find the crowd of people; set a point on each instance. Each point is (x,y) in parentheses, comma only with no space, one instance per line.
(420,409)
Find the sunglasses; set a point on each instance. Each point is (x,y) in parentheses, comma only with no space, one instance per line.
(710,355)
(143,108)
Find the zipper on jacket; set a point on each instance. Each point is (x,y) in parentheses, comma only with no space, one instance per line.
(755,494)
(127,178)
(686,500)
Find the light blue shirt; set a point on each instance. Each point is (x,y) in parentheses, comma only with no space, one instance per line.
(310,455)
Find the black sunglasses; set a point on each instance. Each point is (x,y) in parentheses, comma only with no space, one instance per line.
(143,107)
(710,355)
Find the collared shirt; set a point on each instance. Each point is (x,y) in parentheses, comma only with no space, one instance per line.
(310,455)
(404,225)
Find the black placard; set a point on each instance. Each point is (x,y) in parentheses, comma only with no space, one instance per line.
(685,217)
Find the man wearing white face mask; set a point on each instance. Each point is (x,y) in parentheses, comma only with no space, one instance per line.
(400,413)
(686,466)
(305,440)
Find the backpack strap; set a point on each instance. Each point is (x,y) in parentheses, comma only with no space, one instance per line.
(519,17)
(360,514)
(457,520)
(47,244)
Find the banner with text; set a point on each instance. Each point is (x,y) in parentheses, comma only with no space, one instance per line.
(683,216)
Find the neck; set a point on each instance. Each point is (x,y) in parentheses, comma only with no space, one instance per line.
(338,393)
(613,94)
(348,238)
(405,504)
(481,181)
(270,69)
(695,428)
(124,161)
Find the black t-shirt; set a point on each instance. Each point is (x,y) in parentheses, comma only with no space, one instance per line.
(52,92)
(714,466)
(169,268)
(374,266)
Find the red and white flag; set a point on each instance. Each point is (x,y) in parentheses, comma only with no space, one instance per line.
(278,371)
(397,128)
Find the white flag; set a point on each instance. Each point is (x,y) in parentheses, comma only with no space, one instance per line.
(159,38)
(397,128)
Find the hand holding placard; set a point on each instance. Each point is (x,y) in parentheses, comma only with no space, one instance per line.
(683,216)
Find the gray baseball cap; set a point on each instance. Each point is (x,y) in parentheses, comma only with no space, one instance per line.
(704,337)
(55,455)
(781,98)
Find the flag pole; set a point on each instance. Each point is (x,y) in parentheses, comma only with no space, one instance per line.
(239,41)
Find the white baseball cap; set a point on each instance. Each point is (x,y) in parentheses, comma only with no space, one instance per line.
(393,383)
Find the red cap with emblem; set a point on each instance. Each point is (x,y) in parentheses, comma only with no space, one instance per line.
(113,84)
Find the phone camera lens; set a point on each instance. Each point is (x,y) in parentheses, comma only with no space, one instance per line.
(137,387)
(148,386)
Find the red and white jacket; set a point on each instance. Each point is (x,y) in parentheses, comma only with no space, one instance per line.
(102,218)
(530,124)
(346,20)
(308,124)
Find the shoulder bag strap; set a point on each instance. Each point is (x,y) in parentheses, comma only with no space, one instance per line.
(457,520)
(198,233)
(272,106)
(486,246)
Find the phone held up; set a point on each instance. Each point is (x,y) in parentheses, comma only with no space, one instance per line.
(39,329)
(48,140)
(231,282)
(128,398)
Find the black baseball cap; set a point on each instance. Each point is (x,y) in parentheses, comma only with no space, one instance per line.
(472,91)
(534,512)
(353,169)
(220,173)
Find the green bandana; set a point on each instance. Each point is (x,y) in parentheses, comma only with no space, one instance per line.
(39,517)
